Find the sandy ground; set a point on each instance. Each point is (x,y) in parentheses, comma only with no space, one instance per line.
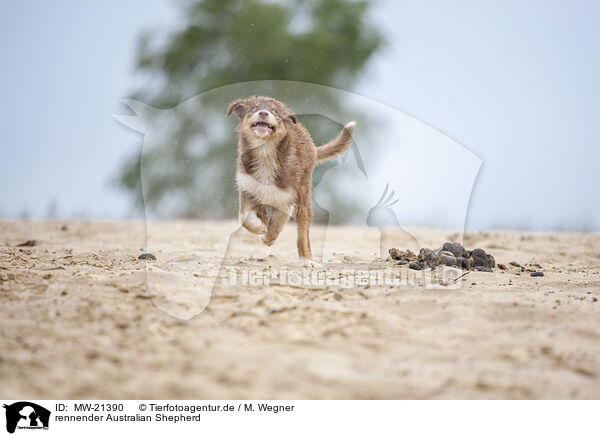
(79,319)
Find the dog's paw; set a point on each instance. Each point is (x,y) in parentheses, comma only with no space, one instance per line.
(309,263)
(258,229)
(253,223)
(263,238)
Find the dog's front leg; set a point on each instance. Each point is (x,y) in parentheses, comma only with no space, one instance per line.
(252,216)
(278,220)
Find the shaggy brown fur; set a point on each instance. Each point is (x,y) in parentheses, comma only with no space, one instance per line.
(276,159)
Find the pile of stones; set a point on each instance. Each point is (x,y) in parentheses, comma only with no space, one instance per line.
(451,254)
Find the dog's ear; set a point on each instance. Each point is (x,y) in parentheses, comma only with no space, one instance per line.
(293,118)
(238,106)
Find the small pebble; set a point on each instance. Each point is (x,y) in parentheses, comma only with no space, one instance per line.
(147,256)
(537,274)
(30,243)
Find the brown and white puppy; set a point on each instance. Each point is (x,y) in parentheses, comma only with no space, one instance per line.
(276,158)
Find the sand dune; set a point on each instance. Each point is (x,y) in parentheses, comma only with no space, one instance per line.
(79,321)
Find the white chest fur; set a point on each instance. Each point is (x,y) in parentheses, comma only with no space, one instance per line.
(261,184)
(265,162)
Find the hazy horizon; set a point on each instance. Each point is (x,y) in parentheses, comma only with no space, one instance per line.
(514,83)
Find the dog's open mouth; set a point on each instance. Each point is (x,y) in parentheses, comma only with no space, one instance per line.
(262,127)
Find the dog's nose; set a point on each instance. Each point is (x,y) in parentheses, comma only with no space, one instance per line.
(263,113)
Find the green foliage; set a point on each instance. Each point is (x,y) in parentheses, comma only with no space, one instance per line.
(223,42)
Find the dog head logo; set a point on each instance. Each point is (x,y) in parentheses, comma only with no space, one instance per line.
(26,415)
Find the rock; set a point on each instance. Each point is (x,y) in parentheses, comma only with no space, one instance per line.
(479,257)
(455,248)
(463,262)
(427,257)
(537,274)
(147,256)
(399,254)
(447,260)
(513,263)
(30,243)
(415,265)
(502,266)
(482,261)
(402,262)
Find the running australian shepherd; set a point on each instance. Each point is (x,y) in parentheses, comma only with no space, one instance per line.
(276,159)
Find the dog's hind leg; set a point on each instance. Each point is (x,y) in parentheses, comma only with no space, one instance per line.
(303,220)
(278,220)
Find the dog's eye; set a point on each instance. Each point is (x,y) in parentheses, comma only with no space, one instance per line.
(253,109)
(274,111)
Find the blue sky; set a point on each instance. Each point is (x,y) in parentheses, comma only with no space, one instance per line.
(514,82)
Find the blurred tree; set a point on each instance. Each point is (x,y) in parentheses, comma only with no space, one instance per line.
(223,42)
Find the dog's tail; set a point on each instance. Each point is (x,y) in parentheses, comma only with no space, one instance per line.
(336,147)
